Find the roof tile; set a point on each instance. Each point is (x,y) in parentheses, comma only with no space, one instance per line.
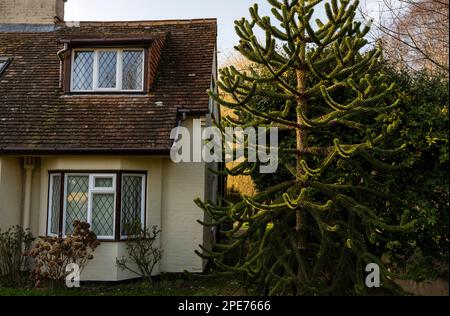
(35,115)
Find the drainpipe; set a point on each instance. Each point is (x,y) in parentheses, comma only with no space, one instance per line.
(180,121)
(61,63)
(28,165)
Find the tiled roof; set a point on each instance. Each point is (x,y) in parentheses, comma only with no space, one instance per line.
(36,116)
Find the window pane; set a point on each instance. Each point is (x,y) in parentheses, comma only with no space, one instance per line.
(77,200)
(83,70)
(104,182)
(55,204)
(103,214)
(107,68)
(131,202)
(132,70)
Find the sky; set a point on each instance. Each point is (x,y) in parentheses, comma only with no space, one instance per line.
(226,11)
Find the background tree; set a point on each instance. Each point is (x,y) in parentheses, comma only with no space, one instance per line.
(415,34)
(421,187)
(311,233)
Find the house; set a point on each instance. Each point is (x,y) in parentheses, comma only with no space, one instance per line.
(86,112)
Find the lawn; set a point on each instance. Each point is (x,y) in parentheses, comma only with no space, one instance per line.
(166,286)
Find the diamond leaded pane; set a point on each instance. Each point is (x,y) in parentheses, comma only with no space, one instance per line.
(103,214)
(77,200)
(132,70)
(83,70)
(55,204)
(107,68)
(131,202)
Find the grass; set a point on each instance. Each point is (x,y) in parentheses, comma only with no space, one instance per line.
(166,286)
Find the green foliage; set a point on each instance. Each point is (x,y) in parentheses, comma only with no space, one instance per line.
(422,186)
(143,256)
(13,243)
(327,94)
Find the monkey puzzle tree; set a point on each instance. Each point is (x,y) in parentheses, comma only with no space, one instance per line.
(313,233)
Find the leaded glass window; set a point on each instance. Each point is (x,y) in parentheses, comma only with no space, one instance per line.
(132,73)
(93,198)
(77,201)
(54,204)
(103,214)
(132,203)
(108,70)
(103,182)
(83,70)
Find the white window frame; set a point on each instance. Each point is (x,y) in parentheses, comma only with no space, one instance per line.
(91,191)
(143,195)
(95,69)
(102,190)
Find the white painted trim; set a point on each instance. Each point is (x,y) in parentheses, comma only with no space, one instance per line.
(119,70)
(93,190)
(97,69)
(96,190)
(103,189)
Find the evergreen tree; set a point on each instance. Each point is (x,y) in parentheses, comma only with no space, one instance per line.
(313,232)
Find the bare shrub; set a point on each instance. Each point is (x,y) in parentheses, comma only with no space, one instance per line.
(142,255)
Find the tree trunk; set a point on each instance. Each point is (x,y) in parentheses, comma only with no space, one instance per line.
(301,146)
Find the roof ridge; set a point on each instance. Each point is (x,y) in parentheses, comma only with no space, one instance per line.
(145,22)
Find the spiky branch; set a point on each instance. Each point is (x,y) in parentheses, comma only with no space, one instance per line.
(308,235)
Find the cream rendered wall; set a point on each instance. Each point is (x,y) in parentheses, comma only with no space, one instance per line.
(182,183)
(10,192)
(182,234)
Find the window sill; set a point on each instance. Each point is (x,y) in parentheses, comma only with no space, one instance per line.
(100,240)
(107,93)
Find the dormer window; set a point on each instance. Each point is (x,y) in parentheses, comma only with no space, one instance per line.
(4,63)
(107,70)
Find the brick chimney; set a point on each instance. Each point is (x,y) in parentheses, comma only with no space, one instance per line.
(31,11)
